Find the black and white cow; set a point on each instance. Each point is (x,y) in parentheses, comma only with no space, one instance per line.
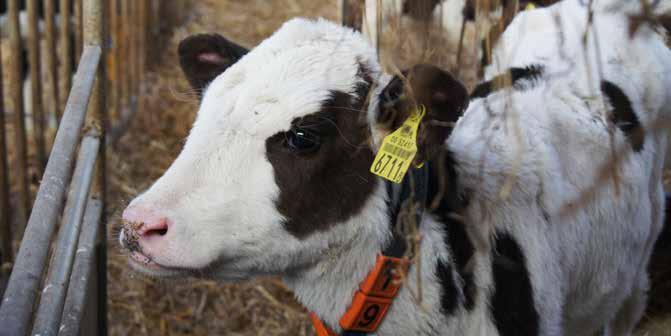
(520,232)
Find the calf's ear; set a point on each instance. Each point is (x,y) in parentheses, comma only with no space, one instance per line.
(443,96)
(204,56)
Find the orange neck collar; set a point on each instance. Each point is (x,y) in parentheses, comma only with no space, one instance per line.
(378,290)
(372,300)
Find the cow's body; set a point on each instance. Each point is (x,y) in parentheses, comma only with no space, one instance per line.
(522,235)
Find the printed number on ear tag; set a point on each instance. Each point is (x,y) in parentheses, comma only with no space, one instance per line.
(398,149)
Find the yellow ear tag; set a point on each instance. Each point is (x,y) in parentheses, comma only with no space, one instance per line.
(398,149)
(530,6)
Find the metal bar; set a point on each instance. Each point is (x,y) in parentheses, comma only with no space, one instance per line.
(79,283)
(17,304)
(5,229)
(66,57)
(49,312)
(20,169)
(94,33)
(34,61)
(51,58)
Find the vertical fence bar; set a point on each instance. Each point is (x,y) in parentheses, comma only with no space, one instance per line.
(114,69)
(78,28)
(35,71)
(125,53)
(15,77)
(5,230)
(155,28)
(134,52)
(371,23)
(94,23)
(65,54)
(141,50)
(51,59)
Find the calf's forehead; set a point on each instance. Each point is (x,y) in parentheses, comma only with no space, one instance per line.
(266,91)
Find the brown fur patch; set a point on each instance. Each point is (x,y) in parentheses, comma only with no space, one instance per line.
(331,184)
(444,97)
(203,57)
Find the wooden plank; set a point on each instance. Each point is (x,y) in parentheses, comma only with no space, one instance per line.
(6,253)
(65,52)
(78,28)
(51,60)
(351,13)
(114,56)
(33,46)
(372,20)
(15,77)
(125,53)
(142,50)
(94,35)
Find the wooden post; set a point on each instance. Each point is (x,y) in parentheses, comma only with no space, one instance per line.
(51,60)
(16,93)
(133,53)
(66,57)
(114,71)
(6,253)
(141,50)
(34,61)
(125,53)
(351,13)
(94,31)
(372,20)
(79,28)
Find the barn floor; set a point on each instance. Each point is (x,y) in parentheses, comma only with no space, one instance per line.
(142,306)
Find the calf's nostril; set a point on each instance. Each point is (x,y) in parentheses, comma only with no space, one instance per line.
(160,232)
(154,228)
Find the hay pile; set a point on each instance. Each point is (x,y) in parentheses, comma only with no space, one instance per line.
(142,306)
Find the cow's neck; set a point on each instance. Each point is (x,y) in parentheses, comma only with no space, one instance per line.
(328,287)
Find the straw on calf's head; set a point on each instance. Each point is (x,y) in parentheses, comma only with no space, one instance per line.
(274,175)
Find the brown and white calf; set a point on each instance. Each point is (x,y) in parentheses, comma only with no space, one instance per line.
(274,177)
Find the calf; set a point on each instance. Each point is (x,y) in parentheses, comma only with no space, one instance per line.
(520,229)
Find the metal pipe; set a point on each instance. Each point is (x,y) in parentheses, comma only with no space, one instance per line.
(20,169)
(79,284)
(35,72)
(17,304)
(49,312)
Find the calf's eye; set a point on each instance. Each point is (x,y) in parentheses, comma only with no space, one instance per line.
(302,141)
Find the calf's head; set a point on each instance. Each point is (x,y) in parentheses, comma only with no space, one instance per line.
(275,171)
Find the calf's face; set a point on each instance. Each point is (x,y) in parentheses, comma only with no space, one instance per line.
(275,169)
